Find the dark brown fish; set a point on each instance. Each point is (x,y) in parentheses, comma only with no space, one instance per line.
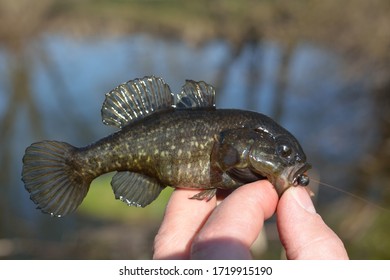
(187,143)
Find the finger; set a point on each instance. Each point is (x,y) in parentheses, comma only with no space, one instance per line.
(182,220)
(236,223)
(302,231)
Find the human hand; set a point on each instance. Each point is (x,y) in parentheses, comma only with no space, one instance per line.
(194,229)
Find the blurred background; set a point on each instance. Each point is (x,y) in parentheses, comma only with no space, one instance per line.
(320,68)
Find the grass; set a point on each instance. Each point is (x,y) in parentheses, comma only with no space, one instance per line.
(101,203)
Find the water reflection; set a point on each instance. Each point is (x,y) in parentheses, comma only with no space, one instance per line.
(55,91)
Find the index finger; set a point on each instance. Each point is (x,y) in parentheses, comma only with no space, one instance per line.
(182,220)
(236,223)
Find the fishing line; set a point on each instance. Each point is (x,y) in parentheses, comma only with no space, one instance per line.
(353,195)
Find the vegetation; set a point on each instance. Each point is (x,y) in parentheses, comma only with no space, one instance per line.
(100,203)
(358,30)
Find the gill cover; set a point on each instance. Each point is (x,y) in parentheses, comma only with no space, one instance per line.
(235,150)
(247,155)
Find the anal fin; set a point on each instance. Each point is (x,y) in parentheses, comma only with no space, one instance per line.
(135,189)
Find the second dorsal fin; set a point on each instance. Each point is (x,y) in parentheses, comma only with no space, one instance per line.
(136,99)
(196,95)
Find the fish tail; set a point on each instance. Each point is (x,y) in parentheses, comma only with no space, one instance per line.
(52,178)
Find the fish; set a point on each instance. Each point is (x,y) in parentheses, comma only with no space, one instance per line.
(165,139)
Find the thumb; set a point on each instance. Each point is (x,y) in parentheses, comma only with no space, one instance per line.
(302,231)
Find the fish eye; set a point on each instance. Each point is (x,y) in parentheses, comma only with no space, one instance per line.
(284,150)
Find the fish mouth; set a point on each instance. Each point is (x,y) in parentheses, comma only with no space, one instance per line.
(298,176)
(292,176)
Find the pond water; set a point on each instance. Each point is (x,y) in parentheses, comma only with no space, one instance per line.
(319,101)
(68,77)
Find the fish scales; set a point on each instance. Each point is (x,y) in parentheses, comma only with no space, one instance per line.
(162,142)
(152,146)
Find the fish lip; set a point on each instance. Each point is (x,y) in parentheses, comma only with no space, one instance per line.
(298,170)
(289,176)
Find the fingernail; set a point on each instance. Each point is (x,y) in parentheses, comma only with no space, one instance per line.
(303,199)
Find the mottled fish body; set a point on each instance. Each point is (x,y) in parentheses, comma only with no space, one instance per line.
(165,140)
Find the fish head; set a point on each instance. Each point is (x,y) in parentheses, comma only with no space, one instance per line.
(249,154)
(280,158)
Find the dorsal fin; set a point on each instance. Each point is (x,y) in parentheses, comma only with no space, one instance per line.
(135,100)
(196,95)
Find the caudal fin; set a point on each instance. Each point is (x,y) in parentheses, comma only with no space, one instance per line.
(51,178)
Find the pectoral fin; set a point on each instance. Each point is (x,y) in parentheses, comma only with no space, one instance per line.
(244,175)
(135,189)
